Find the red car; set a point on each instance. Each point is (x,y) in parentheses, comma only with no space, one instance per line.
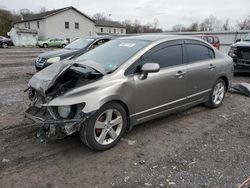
(214,40)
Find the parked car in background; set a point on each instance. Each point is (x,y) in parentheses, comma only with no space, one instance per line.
(74,49)
(240,52)
(60,43)
(5,42)
(213,40)
(125,82)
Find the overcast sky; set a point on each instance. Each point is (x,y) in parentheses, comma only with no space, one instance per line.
(168,12)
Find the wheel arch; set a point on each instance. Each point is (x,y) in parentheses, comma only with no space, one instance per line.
(226,80)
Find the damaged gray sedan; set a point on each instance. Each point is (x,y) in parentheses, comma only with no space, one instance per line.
(124,82)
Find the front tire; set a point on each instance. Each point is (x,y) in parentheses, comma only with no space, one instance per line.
(5,45)
(217,94)
(104,129)
(63,45)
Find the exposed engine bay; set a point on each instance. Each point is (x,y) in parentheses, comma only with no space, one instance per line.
(76,75)
(58,121)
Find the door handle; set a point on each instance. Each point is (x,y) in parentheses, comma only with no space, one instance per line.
(211,66)
(180,74)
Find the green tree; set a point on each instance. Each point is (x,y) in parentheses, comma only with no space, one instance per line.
(6,19)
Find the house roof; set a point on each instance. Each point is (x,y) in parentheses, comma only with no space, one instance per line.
(108,24)
(47,14)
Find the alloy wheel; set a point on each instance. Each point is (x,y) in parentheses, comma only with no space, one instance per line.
(218,93)
(108,126)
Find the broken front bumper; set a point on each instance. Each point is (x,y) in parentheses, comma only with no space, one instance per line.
(52,128)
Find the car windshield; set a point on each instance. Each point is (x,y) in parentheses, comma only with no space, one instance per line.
(247,38)
(79,43)
(114,53)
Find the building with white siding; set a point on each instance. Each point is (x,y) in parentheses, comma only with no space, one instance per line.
(109,27)
(66,23)
(23,37)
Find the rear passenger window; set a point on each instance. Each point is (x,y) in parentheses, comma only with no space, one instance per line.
(196,52)
(166,57)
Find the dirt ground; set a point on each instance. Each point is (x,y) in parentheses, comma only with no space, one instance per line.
(194,148)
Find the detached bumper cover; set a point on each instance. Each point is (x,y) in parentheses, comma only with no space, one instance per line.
(241,88)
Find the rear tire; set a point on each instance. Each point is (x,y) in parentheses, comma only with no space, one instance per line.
(217,94)
(105,127)
(63,45)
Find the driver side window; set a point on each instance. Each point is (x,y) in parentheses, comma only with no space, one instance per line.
(166,57)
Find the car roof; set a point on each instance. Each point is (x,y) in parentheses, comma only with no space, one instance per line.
(148,37)
(205,36)
(100,37)
(157,37)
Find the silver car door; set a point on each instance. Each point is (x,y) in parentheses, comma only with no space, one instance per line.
(165,90)
(202,70)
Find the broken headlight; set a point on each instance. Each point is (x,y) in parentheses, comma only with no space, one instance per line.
(67,112)
(64,111)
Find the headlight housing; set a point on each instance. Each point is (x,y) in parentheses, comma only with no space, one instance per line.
(232,52)
(53,59)
(64,111)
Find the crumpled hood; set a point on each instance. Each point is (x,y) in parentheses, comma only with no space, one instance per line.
(47,77)
(44,79)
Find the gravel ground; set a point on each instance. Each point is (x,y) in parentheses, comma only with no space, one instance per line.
(194,148)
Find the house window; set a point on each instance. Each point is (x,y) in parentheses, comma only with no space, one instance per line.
(29,25)
(25,25)
(37,23)
(121,31)
(114,30)
(109,30)
(76,25)
(66,25)
(101,30)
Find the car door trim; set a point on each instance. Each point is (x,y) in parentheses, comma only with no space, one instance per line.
(169,103)
(160,106)
(164,111)
(199,93)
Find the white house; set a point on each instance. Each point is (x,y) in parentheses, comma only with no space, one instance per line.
(66,23)
(109,27)
(23,37)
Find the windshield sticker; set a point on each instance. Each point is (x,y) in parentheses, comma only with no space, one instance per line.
(129,45)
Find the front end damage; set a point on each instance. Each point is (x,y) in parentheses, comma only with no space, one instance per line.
(52,127)
(58,121)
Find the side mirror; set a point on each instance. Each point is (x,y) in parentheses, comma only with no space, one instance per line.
(238,40)
(149,68)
